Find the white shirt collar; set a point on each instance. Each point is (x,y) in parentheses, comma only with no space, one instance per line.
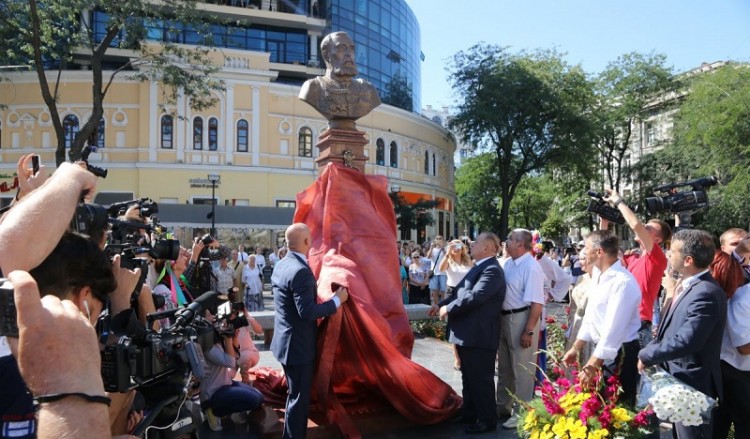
(304,258)
(519,260)
(483,259)
(688,281)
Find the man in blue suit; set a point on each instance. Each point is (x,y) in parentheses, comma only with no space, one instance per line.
(295,325)
(474,314)
(688,343)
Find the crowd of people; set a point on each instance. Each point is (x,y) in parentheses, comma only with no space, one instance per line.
(676,301)
(70,286)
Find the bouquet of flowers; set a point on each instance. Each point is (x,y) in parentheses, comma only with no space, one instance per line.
(565,410)
(672,400)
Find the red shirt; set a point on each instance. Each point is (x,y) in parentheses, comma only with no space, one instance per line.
(648,270)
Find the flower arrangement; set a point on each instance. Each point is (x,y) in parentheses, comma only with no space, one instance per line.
(565,410)
(673,400)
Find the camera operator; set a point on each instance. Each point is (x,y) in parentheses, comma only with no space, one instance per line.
(51,365)
(199,273)
(170,284)
(41,217)
(76,271)
(647,267)
(220,395)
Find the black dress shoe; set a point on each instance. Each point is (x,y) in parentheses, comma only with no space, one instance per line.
(481,427)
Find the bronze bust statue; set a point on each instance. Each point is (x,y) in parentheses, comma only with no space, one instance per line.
(338,96)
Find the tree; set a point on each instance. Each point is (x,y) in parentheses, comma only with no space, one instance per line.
(398,92)
(530,110)
(711,137)
(626,91)
(475,198)
(56,34)
(410,216)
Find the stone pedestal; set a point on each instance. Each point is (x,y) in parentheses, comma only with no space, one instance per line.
(342,146)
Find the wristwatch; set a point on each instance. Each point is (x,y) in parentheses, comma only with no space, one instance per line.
(530,333)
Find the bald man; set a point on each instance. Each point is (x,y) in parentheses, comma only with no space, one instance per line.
(295,330)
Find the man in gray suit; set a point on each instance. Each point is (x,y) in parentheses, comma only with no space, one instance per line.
(688,343)
(473,312)
(295,327)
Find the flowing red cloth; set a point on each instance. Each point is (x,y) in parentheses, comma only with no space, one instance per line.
(364,349)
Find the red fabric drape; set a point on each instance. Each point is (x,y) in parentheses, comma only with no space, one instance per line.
(364,350)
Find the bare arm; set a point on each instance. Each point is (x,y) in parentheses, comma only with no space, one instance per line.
(630,217)
(41,218)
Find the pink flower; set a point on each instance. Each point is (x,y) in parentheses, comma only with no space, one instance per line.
(564,327)
(590,408)
(550,320)
(642,418)
(605,418)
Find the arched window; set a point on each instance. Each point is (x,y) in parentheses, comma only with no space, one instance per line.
(100,134)
(427,163)
(304,141)
(380,152)
(213,134)
(166,131)
(394,155)
(197,132)
(242,135)
(437,120)
(434,167)
(70,126)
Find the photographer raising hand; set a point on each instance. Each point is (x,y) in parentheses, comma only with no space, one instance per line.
(647,267)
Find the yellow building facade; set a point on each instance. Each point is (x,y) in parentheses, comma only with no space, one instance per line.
(259,138)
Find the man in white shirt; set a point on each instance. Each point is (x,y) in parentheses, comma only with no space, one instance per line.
(241,255)
(612,318)
(260,261)
(438,281)
(735,367)
(519,324)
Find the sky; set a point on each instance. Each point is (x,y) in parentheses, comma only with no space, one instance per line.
(591,32)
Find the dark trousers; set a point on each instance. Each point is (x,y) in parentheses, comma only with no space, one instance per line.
(418,294)
(478,379)
(625,365)
(234,398)
(735,408)
(299,381)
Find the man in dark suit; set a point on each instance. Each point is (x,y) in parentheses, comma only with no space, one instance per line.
(295,326)
(474,314)
(688,343)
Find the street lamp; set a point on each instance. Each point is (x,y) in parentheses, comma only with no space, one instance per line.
(213,178)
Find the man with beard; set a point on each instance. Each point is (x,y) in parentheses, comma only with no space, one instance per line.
(338,96)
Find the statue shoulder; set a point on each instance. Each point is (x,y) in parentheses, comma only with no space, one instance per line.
(310,88)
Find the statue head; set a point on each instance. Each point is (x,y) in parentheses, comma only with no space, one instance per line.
(338,53)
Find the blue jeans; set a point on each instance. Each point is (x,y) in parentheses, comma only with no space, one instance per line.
(233,398)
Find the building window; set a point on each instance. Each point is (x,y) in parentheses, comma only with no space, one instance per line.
(70,126)
(242,135)
(426,163)
(213,134)
(286,204)
(166,132)
(438,121)
(197,132)
(99,134)
(380,152)
(305,142)
(203,201)
(394,155)
(434,167)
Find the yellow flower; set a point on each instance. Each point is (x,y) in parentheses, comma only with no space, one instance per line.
(575,428)
(530,421)
(621,415)
(573,400)
(598,434)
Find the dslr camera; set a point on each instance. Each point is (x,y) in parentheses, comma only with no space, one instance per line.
(671,200)
(600,207)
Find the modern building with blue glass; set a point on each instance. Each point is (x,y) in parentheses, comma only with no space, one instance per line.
(259,137)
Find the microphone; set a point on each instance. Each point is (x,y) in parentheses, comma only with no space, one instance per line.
(188,314)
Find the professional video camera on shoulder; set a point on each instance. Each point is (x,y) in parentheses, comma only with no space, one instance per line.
(600,207)
(673,201)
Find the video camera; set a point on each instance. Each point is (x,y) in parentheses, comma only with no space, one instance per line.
(230,321)
(141,360)
(600,207)
(678,202)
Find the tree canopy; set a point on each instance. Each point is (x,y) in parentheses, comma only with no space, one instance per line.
(49,35)
(529,110)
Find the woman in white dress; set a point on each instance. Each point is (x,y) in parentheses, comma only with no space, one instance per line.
(253,286)
(455,265)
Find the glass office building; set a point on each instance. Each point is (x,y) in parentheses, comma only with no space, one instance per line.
(387,36)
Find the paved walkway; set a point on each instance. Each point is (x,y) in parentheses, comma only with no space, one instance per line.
(433,354)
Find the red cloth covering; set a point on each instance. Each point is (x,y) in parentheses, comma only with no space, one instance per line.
(364,349)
